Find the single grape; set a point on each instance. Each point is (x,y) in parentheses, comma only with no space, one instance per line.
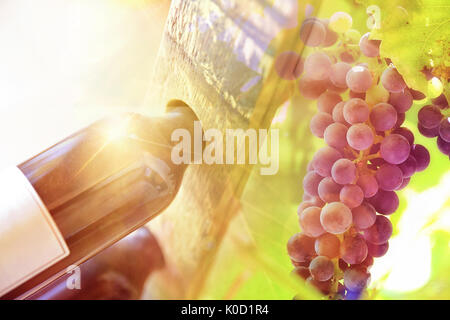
(380,231)
(338,74)
(329,190)
(310,88)
(302,272)
(356,279)
(429,116)
(310,222)
(392,81)
(338,113)
(377,94)
(360,136)
(340,22)
(324,159)
(300,247)
(383,116)
(377,250)
(353,249)
(385,202)
(335,135)
(356,111)
(364,216)
(351,195)
(289,65)
(368,183)
(389,177)
(311,182)
(422,156)
(408,167)
(321,268)
(359,79)
(323,286)
(318,66)
(443,146)
(343,171)
(444,129)
(312,32)
(406,133)
(319,123)
(394,149)
(327,245)
(429,133)
(327,101)
(336,217)
(370,48)
(401,101)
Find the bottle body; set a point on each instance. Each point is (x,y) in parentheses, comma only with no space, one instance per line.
(102,183)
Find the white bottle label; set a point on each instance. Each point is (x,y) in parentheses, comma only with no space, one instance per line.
(30,241)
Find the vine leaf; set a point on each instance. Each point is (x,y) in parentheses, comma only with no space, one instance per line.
(415,35)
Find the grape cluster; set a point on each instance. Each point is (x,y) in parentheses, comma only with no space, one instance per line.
(351,183)
(434,121)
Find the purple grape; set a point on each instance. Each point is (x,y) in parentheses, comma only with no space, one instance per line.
(422,156)
(443,146)
(360,136)
(429,116)
(338,74)
(336,218)
(353,249)
(429,133)
(338,113)
(392,81)
(356,111)
(406,133)
(370,48)
(380,231)
(319,123)
(324,159)
(364,216)
(368,183)
(359,79)
(394,149)
(327,245)
(310,222)
(311,183)
(351,195)
(321,268)
(408,167)
(335,135)
(343,171)
(444,129)
(355,280)
(400,119)
(401,101)
(385,202)
(383,116)
(389,177)
(329,190)
(300,247)
(404,183)
(327,101)
(440,102)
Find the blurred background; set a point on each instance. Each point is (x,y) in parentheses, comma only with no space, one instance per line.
(64,64)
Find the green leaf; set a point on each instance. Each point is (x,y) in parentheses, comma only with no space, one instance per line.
(415,35)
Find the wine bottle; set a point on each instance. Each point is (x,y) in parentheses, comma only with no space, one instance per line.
(98,185)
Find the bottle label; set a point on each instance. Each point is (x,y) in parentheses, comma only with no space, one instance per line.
(30,241)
